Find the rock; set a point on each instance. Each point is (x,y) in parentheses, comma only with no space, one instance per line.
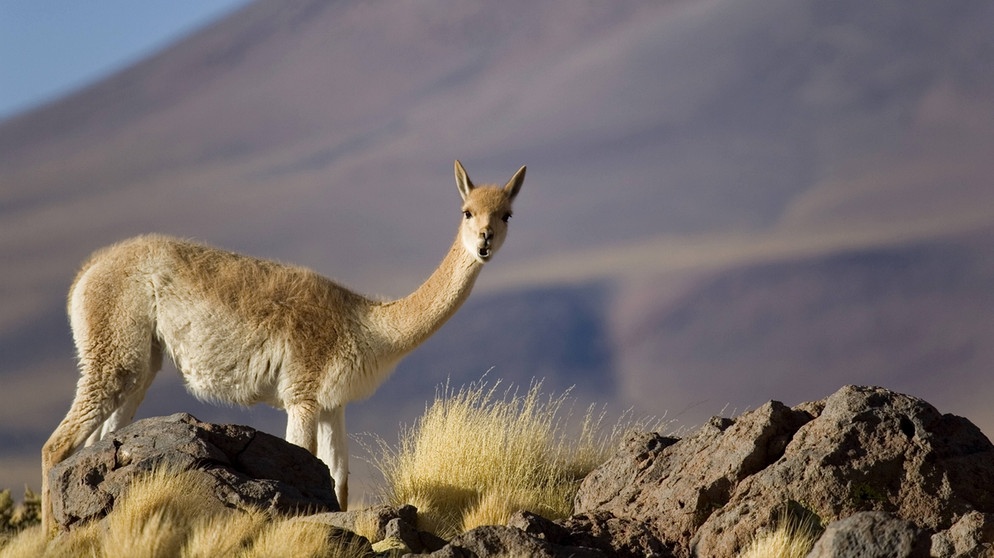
(616,536)
(538,526)
(871,535)
(390,547)
(606,482)
(869,449)
(373,520)
(493,540)
(862,449)
(348,543)
(601,532)
(972,535)
(237,466)
(501,541)
(679,484)
(383,522)
(417,541)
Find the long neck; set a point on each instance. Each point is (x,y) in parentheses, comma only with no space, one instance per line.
(409,321)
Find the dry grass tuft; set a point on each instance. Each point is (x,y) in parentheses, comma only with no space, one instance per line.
(791,538)
(156,514)
(166,514)
(292,539)
(223,534)
(367,525)
(495,507)
(480,454)
(29,542)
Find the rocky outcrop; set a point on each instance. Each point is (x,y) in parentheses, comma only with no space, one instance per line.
(875,472)
(682,483)
(867,449)
(237,465)
(860,450)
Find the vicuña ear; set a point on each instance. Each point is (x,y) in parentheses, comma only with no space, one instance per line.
(514,185)
(463,182)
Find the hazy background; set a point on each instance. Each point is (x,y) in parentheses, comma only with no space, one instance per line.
(727,201)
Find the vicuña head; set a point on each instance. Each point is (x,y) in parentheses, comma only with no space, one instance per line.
(486,212)
(244,330)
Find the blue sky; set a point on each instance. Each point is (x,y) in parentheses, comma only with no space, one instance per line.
(49,48)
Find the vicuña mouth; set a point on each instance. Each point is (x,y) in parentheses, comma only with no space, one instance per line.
(484,253)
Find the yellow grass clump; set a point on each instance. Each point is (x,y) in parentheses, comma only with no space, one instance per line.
(290,538)
(167,514)
(792,538)
(480,454)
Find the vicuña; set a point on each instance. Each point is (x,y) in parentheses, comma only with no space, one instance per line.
(244,330)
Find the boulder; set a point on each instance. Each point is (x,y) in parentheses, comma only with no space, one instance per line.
(972,535)
(871,535)
(621,537)
(375,518)
(236,465)
(396,524)
(862,449)
(679,484)
(868,449)
(500,541)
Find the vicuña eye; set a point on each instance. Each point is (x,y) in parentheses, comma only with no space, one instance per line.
(467,214)
(506,217)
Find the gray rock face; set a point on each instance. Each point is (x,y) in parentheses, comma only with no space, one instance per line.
(871,535)
(680,484)
(970,536)
(237,465)
(860,450)
(497,540)
(391,523)
(620,537)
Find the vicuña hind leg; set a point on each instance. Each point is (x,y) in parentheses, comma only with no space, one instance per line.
(84,418)
(125,412)
(99,397)
(117,363)
(132,398)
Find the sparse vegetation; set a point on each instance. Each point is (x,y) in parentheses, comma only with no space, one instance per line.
(476,456)
(482,453)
